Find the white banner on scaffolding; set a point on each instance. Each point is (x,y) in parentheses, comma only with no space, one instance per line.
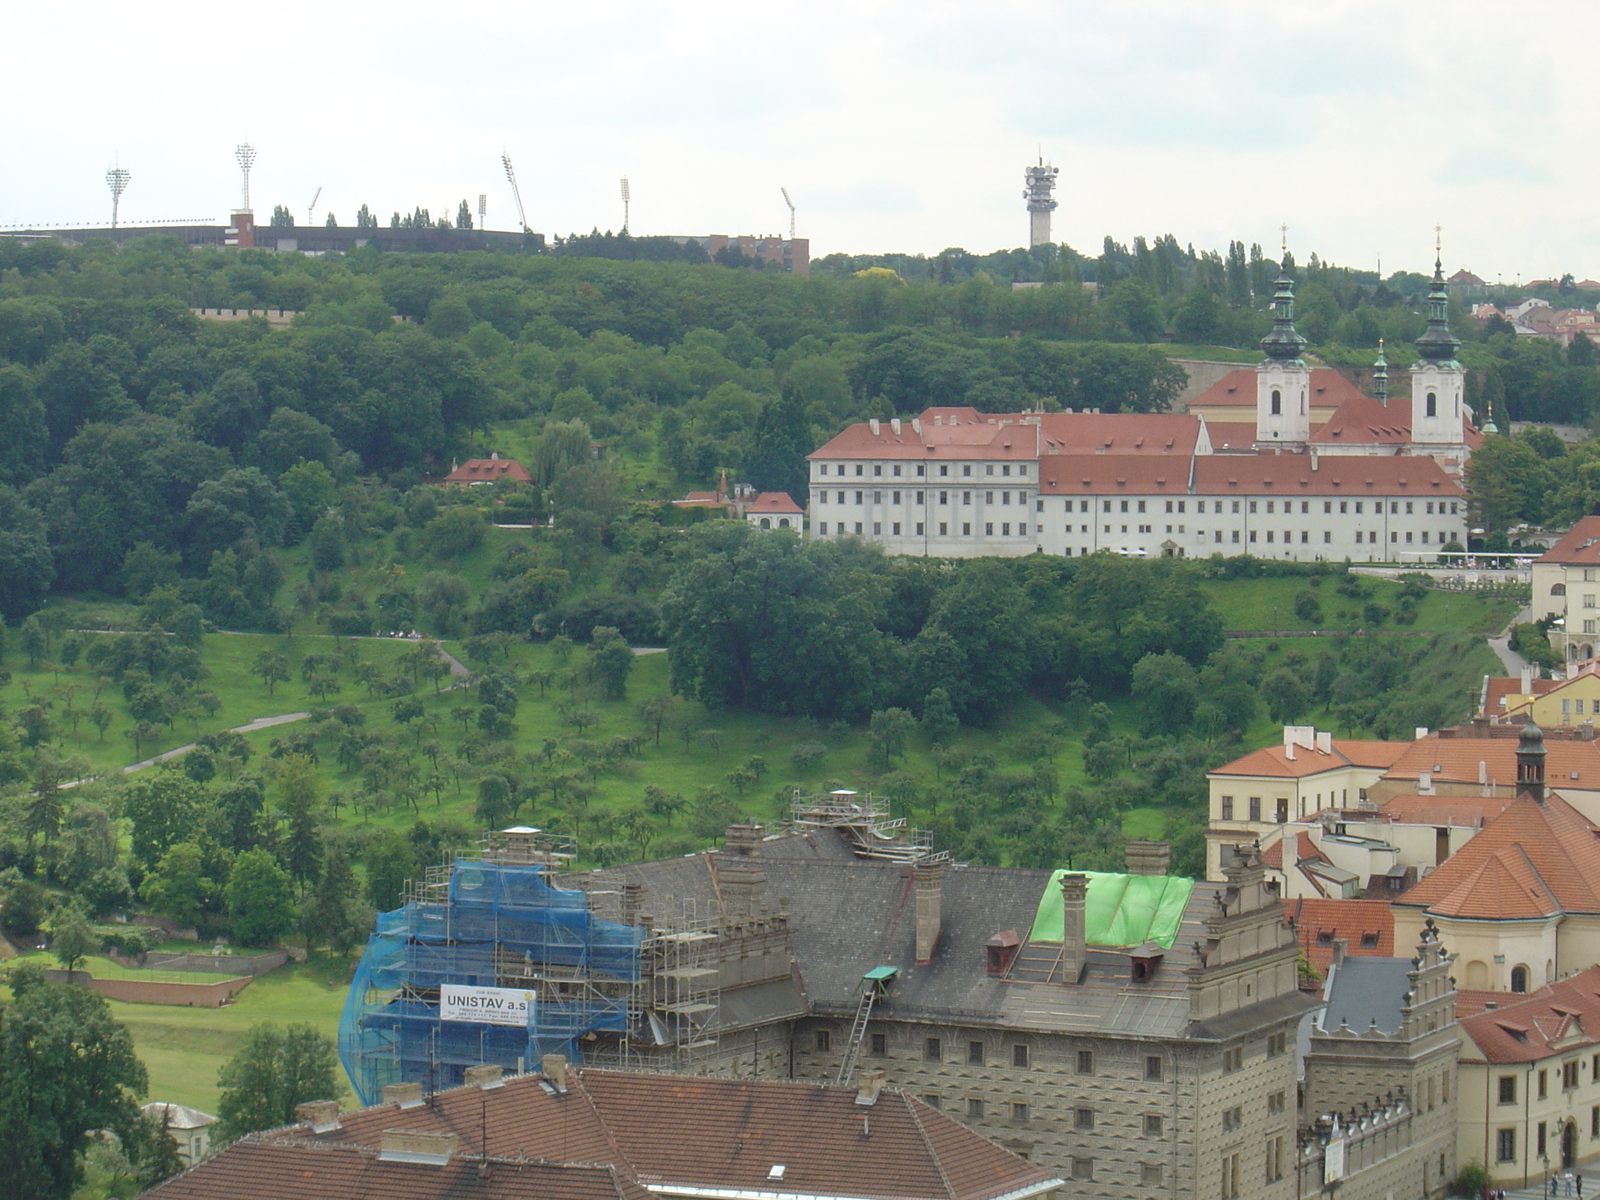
(484,1005)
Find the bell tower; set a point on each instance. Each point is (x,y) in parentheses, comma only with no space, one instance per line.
(1438,380)
(1283,381)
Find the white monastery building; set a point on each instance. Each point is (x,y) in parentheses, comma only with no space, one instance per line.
(1370,483)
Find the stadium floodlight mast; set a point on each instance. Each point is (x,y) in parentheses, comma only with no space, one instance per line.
(627,199)
(246,154)
(117,180)
(483,209)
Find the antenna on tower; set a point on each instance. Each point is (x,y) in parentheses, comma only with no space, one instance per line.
(626,202)
(117,180)
(246,154)
(511,178)
(790,203)
(311,209)
(1041,181)
(483,207)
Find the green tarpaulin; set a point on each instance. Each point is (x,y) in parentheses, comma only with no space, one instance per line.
(1120,910)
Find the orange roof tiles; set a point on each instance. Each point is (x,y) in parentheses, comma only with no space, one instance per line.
(772,502)
(1568,763)
(1329,389)
(487,470)
(1274,762)
(1566,1013)
(1461,811)
(1499,687)
(1580,544)
(1361,420)
(1367,925)
(1533,860)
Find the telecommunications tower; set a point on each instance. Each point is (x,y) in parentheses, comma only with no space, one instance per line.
(117,180)
(246,154)
(1041,181)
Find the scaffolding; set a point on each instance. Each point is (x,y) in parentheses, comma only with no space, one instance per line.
(594,988)
(863,820)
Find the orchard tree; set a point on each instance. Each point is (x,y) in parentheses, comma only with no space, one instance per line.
(273,1071)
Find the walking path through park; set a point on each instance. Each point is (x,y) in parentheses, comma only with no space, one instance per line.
(459,673)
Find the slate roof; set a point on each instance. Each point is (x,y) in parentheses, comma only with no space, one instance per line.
(1318,922)
(177,1116)
(627,1130)
(1580,544)
(1364,992)
(849,915)
(1533,860)
(1552,1020)
(267,1168)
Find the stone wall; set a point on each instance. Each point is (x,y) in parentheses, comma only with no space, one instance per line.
(150,991)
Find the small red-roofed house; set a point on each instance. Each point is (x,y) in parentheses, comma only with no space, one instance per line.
(774,510)
(494,469)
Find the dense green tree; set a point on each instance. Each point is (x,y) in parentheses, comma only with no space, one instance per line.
(26,568)
(777,461)
(272,1071)
(178,887)
(610,659)
(164,807)
(391,859)
(72,938)
(889,730)
(67,1070)
(260,899)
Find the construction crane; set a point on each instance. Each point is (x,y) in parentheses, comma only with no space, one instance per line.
(511,178)
(790,203)
(311,209)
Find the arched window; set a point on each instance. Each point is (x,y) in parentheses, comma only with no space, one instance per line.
(783,522)
(765,523)
(1433,404)
(1277,402)
(1519,979)
(1558,589)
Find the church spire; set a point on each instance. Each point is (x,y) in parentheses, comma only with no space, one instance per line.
(1437,344)
(1380,376)
(1284,343)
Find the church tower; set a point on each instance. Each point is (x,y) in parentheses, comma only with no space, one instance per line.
(1283,381)
(1438,380)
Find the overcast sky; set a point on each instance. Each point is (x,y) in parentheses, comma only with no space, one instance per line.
(895,126)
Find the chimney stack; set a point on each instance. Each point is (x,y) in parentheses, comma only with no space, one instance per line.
(1074,932)
(928,880)
(321,1115)
(1341,948)
(869,1084)
(403,1095)
(1147,858)
(485,1076)
(743,877)
(554,1067)
(632,900)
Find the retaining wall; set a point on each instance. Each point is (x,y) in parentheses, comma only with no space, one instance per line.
(150,991)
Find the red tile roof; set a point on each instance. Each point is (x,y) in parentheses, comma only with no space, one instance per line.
(1568,763)
(965,433)
(773,502)
(1461,811)
(1329,389)
(1565,1014)
(1533,860)
(1231,435)
(1367,925)
(1580,544)
(1289,476)
(664,1130)
(1361,421)
(487,470)
(264,1167)
(1274,762)
(1499,687)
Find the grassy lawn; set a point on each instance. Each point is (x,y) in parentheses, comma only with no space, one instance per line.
(1268,604)
(1222,354)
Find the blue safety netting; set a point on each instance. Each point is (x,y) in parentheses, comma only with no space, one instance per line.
(391,1032)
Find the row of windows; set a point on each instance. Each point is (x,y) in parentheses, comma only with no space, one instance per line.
(1507,1084)
(1275,1158)
(933,1050)
(921,529)
(921,498)
(1505,1140)
(922,469)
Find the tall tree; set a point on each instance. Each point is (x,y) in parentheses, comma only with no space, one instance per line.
(67,1069)
(260,900)
(274,1070)
(777,461)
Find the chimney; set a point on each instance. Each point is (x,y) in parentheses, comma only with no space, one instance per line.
(928,880)
(874,426)
(415,1146)
(1288,749)
(485,1076)
(869,1084)
(1313,460)
(894,424)
(554,1067)
(1527,680)
(1074,895)
(321,1115)
(1422,732)
(632,898)
(916,426)
(1147,858)
(1425,783)
(1483,773)
(403,1095)
(739,867)
(1341,948)
(1325,743)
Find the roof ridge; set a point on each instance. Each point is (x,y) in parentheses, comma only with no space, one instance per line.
(927,1143)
